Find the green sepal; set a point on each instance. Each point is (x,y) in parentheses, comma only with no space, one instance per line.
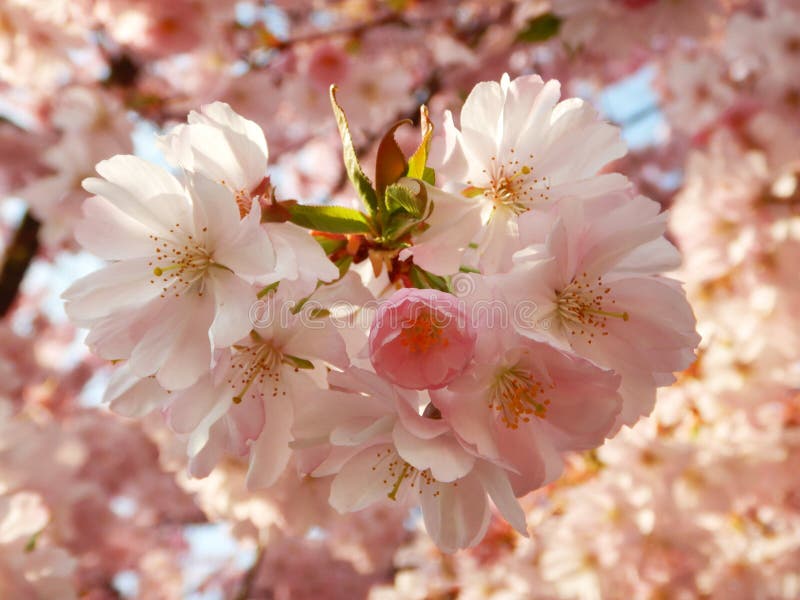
(330,245)
(297,362)
(424,280)
(269,289)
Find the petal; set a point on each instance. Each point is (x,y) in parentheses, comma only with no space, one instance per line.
(216,214)
(189,407)
(131,396)
(233,299)
(470,416)
(113,289)
(443,455)
(245,137)
(202,463)
(299,253)
(483,110)
(454,223)
(455,517)
(249,252)
(270,453)
(357,485)
(317,338)
(133,185)
(175,343)
(496,483)
(111,233)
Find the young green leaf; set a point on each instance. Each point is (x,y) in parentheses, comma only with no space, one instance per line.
(429,176)
(417,164)
(360,181)
(333,219)
(399,198)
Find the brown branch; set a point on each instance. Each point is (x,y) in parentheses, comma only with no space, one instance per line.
(354,29)
(17,259)
(250,576)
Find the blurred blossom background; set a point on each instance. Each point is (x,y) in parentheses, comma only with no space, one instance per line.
(700,500)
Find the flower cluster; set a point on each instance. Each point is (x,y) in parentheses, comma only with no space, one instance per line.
(522,311)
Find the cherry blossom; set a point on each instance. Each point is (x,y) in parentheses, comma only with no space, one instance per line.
(182,257)
(385,445)
(506,160)
(600,196)
(421,339)
(595,281)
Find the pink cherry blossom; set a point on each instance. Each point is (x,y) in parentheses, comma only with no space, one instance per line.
(593,275)
(181,280)
(421,339)
(385,443)
(524,401)
(30,568)
(505,161)
(239,162)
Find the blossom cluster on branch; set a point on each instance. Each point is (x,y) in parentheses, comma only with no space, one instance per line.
(454,399)
(452,333)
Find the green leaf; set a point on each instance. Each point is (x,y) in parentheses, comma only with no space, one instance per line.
(406,210)
(540,29)
(390,163)
(417,164)
(360,181)
(401,199)
(429,176)
(333,219)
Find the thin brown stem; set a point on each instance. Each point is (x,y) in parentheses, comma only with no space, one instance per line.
(17,259)
(250,576)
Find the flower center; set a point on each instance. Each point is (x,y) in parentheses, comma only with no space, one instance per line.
(423,331)
(179,262)
(511,185)
(582,306)
(397,474)
(258,364)
(516,395)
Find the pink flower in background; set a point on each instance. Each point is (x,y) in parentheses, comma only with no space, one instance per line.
(421,339)
(31,568)
(328,64)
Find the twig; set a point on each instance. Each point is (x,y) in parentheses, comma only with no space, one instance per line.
(18,257)
(250,576)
